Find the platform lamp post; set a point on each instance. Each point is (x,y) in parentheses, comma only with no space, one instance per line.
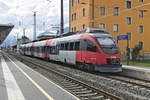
(24,32)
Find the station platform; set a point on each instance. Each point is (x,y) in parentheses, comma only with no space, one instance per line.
(138,72)
(19,82)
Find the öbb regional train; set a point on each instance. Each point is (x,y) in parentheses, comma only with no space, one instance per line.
(92,51)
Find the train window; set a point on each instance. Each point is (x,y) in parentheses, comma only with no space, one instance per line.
(91,47)
(77,46)
(57,49)
(38,49)
(62,46)
(42,49)
(52,50)
(28,48)
(71,46)
(66,46)
(32,49)
(46,49)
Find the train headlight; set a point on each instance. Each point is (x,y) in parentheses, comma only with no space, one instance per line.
(113,61)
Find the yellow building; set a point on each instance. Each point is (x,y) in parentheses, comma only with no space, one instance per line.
(118,17)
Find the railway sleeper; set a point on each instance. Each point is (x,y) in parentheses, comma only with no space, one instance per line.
(73,88)
(83,92)
(68,86)
(97,97)
(79,90)
(87,95)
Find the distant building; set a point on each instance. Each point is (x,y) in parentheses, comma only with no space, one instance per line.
(4,31)
(118,17)
(23,39)
(46,35)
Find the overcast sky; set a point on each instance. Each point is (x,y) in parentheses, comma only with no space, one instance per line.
(48,12)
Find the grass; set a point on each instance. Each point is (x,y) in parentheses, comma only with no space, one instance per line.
(145,63)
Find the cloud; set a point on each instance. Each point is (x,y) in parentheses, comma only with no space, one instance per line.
(3,8)
(48,13)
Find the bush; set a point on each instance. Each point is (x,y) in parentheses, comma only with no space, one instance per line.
(135,52)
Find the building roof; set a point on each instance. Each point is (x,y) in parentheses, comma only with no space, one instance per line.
(4,31)
(46,35)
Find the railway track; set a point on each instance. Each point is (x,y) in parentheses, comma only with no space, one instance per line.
(144,84)
(74,86)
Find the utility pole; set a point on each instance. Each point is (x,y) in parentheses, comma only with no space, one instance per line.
(128,51)
(69,16)
(93,5)
(24,32)
(17,42)
(62,19)
(34,34)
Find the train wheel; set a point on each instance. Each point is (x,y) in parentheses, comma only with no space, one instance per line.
(90,67)
(81,66)
(65,61)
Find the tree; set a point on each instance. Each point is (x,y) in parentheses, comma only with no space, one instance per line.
(136,50)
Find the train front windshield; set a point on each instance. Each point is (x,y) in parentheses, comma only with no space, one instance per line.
(108,45)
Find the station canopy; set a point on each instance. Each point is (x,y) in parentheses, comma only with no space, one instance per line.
(4,31)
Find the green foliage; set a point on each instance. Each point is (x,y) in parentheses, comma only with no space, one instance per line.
(136,50)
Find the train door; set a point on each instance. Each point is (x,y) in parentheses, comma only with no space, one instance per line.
(90,53)
(65,53)
(78,47)
(32,51)
(71,53)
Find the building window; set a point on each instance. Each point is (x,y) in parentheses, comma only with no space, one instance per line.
(75,29)
(72,3)
(129,35)
(141,13)
(141,0)
(128,4)
(83,12)
(78,1)
(115,28)
(102,11)
(83,26)
(128,20)
(141,44)
(116,11)
(72,17)
(72,29)
(102,26)
(141,29)
(75,16)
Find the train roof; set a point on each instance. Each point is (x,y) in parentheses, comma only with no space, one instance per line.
(40,43)
(78,35)
(68,38)
(28,45)
(100,35)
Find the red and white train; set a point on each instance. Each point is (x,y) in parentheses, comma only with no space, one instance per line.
(93,51)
